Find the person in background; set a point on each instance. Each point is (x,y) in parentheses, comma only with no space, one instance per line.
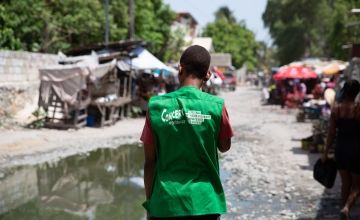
(331,83)
(317,91)
(345,126)
(170,83)
(295,97)
(281,92)
(303,87)
(146,84)
(183,132)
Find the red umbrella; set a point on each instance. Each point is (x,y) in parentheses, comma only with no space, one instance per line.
(295,72)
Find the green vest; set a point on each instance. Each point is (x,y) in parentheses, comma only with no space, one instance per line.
(186,127)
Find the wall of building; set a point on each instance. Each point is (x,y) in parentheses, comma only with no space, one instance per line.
(19,80)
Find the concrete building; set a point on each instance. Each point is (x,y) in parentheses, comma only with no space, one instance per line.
(187,24)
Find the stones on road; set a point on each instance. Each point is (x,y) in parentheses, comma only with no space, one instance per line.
(263,178)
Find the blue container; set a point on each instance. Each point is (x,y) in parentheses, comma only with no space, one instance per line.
(90,120)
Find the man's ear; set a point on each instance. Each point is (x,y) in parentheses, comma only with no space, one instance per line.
(180,69)
(208,75)
(180,73)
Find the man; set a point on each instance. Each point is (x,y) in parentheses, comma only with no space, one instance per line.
(182,133)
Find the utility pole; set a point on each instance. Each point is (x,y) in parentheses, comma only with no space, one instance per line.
(131,28)
(106,22)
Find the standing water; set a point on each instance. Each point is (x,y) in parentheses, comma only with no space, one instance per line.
(103,184)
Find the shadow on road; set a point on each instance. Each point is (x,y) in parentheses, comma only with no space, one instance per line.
(328,207)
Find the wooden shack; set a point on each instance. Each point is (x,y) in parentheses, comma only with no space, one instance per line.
(76,95)
(64,96)
(110,95)
(94,85)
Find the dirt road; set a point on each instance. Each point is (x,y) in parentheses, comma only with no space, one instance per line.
(266,175)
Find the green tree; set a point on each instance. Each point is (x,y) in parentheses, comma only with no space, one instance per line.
(296,28)
(302,28)
(341,34)
(266,57)
(73,23)
(7,38)
(152,23)
(230,36)
(22,24)
(52,25)
(118,19)
(174,46)
(225,13)
(48,26)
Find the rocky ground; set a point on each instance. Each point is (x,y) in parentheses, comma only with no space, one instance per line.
(266,174)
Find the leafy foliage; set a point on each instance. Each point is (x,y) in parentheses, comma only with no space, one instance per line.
(266,57)
(152,23)
(175,44)
(302,28)
(340,34)
(226,13)
(7,34)
(230,36)
(52,25)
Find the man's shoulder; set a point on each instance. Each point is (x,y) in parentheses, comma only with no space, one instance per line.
(212,98)
(188,95)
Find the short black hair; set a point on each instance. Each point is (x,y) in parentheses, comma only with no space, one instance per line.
(351,89)
(196,60)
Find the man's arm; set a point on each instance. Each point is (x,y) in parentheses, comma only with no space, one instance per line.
(331,133)
(226,132)
(149,168)
(148,139)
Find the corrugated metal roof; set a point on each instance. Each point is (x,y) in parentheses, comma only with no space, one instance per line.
(100,48)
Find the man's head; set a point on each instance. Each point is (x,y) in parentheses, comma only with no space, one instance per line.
(195,61)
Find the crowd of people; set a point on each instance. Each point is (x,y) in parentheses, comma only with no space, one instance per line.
(292,93)
(148,84)
(332,100)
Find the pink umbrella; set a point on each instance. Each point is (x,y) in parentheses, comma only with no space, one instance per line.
(295,72)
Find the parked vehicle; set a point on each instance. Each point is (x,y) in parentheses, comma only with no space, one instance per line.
(229,81)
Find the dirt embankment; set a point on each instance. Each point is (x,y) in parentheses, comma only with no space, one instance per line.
(25,146)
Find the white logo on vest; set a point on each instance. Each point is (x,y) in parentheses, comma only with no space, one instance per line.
(178,116)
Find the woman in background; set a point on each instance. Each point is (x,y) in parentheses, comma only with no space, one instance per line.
(345,126)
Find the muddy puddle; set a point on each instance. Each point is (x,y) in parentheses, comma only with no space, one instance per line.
(103,184)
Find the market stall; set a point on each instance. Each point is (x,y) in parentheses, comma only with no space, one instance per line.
(144,60)
(64,95)
(110,93)
(153,77)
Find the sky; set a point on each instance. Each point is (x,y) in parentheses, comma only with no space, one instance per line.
(248,10)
